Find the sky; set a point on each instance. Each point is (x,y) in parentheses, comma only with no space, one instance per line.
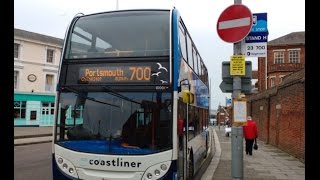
(52,17)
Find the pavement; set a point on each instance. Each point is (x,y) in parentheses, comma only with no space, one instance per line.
(32,135)
(266,163)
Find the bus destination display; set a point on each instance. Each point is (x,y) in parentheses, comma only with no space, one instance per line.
(114,74)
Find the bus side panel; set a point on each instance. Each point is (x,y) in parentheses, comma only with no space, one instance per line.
(199,149)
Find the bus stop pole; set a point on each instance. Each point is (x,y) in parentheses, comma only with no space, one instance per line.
(236,131)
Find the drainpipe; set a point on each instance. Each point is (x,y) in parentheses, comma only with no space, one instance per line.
(268,119)
(278,110)
(250,107)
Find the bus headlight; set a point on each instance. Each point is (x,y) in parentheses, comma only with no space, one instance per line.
(60,160)
(71,170)
(157,171)
(66,166)
(163,167)
(149,176)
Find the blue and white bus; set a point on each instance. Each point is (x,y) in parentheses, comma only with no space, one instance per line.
(125,78)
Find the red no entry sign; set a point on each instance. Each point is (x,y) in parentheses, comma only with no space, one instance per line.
(234,23)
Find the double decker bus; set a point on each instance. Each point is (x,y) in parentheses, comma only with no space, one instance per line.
(126,77)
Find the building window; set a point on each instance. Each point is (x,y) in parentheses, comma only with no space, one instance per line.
(19,109)
(272,82)
(33,115)
(47,107)
(16,50)
(77,111)
(15,79)
(294,56)
(279,57)
(49,82)
(50,56)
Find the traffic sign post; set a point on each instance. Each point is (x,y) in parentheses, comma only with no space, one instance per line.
(233,25)
(237,131)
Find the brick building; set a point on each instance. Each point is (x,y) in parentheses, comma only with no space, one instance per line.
(279,105)
(285,55)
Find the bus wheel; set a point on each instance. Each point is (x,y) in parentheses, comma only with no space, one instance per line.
(190,166)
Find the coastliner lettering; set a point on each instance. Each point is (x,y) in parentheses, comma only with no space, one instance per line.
(115,163)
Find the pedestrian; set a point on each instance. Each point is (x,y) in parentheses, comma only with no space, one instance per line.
(250,133)
(228,127)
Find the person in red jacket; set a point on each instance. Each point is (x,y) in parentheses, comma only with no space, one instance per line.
(250,133)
